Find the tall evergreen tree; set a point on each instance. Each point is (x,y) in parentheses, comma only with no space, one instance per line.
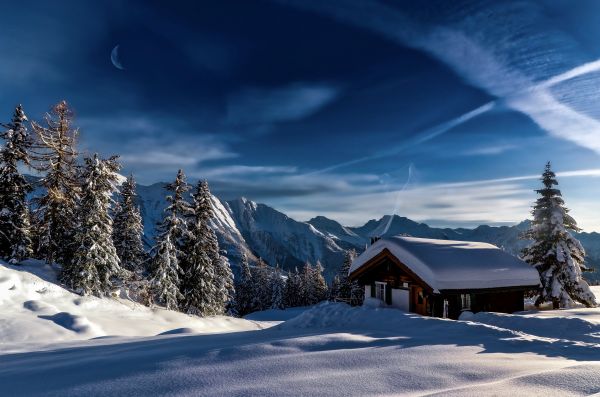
(320,285)
(277,289)
(56,156)
(201,285)
(244,288)
(95,263)
(224,287)
(293,289)
(15,228)
(554,252)
(345,285)
(261,286)
(166,254)
(128,230)
(165,272)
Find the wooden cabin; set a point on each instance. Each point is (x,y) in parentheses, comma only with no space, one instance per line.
(443,278)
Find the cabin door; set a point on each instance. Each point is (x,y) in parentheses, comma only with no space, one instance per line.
(418,301)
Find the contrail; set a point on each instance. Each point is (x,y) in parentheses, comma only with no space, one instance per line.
(418,139)
(440,129)
(397,202)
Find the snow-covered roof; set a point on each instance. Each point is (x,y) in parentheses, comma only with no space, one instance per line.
(447,264)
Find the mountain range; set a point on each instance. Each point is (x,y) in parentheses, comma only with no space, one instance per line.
(259,231)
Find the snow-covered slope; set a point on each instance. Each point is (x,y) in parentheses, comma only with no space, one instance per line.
(280,239)
(35,311)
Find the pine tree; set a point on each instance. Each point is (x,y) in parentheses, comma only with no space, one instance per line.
(15,228)
(345,285)
(56,155)
(293,289)
(201,286)
(128,230)
(95,263)
(165,272)
(166,254)
(307,286)
(554,252)
(223,277)
(243,288)
(261,290)
(277,289)
(319,284)
(334,291)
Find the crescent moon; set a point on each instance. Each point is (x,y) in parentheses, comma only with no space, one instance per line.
(114,58)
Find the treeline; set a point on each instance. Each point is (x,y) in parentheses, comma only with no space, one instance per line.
(75,222)
(86,220)
(263,287)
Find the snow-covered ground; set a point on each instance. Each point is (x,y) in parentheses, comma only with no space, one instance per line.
(36,312)
(330,349)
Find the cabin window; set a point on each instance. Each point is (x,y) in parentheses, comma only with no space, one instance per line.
(380,290)
(465,300)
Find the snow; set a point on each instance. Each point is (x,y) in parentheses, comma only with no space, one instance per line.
(448,264)
(36,312)
(330,349)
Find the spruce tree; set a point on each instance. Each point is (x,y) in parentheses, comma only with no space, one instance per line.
(223,277)
(201,287)
(261,290)
(277,289)
(55,155)
(95,263)
(345,285)
(128,230)
(554,252)
(320,285)
(307,286)
(334,291)
(165,272)
(166,254)
(244,288)
(293,289)
(15,228)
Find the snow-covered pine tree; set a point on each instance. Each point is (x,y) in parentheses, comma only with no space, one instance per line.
(201,287)
(320,285)
(261,290)
(334,291)
(345,285)
(128,230)
(244,289)
(554,252)
(293,289)
(55,155)
(307,286)
(277,289)
(95,263)
(223,278)
(167,253)
(165,272)
(15,228)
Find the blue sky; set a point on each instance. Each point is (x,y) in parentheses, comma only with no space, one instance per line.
(445,112)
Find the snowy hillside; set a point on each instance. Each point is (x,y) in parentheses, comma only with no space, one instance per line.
(35,312)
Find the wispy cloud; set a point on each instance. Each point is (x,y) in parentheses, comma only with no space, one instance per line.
(489,150)
(355,199)
(297,101)
(495,47)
